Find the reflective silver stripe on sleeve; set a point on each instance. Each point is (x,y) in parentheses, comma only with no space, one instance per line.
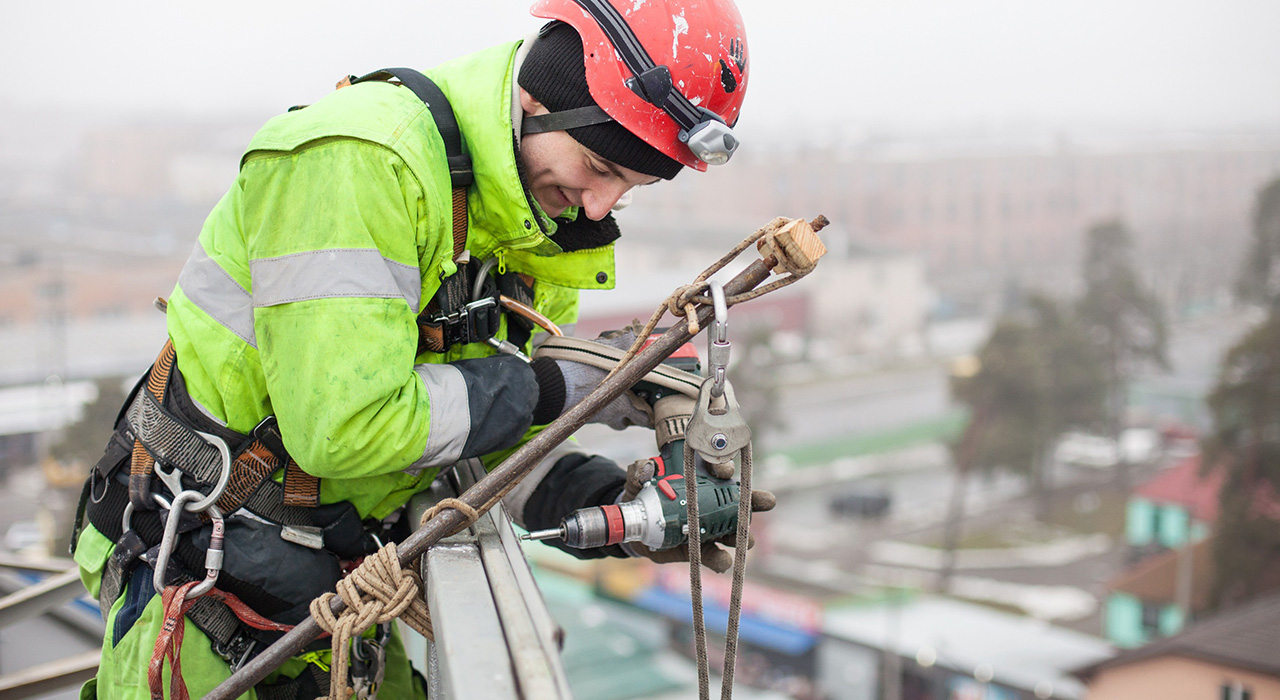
(333,273)
(215,292)
(450,415)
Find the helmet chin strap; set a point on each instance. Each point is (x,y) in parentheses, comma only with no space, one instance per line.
(566,119)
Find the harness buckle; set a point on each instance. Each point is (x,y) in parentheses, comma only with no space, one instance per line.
(268,433)
(474,322)
(237,651)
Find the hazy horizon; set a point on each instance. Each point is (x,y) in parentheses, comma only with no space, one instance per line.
(852,67)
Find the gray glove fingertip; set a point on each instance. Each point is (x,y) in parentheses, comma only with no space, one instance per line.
(639,473)
(717,559)
(721,471)
(762,501)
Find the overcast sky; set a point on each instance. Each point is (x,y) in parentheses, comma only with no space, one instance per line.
(879,64)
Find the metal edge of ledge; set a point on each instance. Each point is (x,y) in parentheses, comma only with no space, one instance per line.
(483,597)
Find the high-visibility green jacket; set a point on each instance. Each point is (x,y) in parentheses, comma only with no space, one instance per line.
(300,300)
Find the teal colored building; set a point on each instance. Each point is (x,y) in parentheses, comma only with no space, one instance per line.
(1167,525)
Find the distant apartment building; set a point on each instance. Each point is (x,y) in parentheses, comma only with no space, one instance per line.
(872,300)
(981,217)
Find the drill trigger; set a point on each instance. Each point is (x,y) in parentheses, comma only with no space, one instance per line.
(666,489)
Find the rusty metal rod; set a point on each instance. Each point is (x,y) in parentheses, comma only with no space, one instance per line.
(498,481)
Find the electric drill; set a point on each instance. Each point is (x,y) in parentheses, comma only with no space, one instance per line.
(657,517)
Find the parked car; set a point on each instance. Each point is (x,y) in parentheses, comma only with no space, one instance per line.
(862,501)
(1085,450)
(1137,446)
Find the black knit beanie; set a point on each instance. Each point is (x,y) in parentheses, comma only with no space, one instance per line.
(555,74)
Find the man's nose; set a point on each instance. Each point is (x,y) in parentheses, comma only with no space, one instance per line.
(598,201)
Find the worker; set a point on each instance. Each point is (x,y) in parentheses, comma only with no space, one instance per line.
(319,331)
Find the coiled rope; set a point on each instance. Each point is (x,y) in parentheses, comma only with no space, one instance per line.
(376,592)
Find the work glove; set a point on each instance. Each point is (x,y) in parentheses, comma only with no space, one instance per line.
(714,554)
(563,384)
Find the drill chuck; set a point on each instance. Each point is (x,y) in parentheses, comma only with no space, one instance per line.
(605,525)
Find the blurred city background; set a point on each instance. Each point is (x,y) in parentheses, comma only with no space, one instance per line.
(1023,422)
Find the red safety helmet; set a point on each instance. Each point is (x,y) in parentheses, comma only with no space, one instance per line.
(673,72)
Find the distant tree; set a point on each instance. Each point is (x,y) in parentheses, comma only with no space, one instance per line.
(755,384)
(84,440)
(1245,439)
(1259,280)
(1122,317)
(1037,375)
(1245,445)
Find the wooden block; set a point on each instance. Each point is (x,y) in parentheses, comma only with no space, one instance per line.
(795,248)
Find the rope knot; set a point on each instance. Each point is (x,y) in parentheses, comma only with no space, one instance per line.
(378,591)
(470,515)
(680,303)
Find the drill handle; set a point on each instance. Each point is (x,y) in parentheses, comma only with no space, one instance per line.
(671,416)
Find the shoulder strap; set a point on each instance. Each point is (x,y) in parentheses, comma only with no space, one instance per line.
(460,173)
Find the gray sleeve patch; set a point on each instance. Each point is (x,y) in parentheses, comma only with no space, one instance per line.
(450,415)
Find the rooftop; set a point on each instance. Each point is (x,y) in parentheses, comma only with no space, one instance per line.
(1245,637)
(1155,578)
(1021,652)
(1183,484)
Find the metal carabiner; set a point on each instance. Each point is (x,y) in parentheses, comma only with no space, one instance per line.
(369,663)
(127,521)
(173,479)
(170,532)
(213,556)
(718,340)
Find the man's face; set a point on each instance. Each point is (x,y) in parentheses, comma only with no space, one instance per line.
(563,173)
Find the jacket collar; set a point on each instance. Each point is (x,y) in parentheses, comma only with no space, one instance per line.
(481,90)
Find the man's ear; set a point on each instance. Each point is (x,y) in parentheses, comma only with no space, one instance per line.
(530,105)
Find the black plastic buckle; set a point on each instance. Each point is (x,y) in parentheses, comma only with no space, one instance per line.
(473,323)
(653,85)
(268,433)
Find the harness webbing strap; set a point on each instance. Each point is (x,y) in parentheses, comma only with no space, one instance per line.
(169,645)
(252,467)
(142,464)
(459,221)
(166,437)
(301,488)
